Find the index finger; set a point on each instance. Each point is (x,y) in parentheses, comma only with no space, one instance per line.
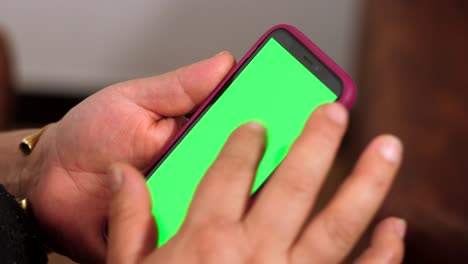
(224,191)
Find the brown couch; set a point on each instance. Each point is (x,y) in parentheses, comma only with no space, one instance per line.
(6,88)
(414,83)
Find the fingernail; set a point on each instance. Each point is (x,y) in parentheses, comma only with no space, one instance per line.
(391,149)
(255,125)
(337,113)
(115,179)
(221,53)
(400,227)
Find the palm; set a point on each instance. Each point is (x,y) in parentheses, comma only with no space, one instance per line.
(128,122)
(108,127)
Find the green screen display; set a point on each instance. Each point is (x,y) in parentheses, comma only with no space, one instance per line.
(274,89)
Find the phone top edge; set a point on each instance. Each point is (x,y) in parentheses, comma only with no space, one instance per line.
(348,93)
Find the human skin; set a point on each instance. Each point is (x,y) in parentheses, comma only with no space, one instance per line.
(65,176)
(222,227)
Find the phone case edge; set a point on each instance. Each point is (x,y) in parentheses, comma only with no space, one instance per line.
(346,98)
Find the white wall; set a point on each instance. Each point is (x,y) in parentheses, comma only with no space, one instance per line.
(90,43)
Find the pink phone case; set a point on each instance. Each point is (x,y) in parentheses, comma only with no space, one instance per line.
(347,97)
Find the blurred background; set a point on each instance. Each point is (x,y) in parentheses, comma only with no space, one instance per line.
(409,59)
(72,49)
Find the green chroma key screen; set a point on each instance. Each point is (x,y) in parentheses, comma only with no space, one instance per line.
(276,90)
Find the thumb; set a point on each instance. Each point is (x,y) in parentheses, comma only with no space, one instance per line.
(132,229)
(179,92)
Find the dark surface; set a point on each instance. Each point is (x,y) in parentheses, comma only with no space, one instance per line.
(414,83)
(36,110)
(19,239)
(6,89)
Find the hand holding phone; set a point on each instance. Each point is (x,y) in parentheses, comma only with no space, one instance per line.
(278,83)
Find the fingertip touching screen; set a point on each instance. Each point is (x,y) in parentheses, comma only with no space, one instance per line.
(276,88)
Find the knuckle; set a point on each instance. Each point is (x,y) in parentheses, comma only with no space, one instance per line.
(303,184)
(238,161)
(379,183)
(341,232)
(238,164)
(214,242)
(328,134)
(124,212)
(208,234)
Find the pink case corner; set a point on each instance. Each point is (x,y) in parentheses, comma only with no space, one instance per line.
(348,95)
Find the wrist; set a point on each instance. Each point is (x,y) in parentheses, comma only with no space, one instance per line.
(34,166)
(13,162)
(36,159)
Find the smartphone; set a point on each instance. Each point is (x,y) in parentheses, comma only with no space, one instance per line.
(278,83)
